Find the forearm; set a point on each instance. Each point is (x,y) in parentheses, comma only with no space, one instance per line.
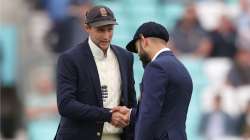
(75,110)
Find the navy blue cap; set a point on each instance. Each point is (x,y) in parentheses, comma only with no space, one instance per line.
(148,29)
(100,16)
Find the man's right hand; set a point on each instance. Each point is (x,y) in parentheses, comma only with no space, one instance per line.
(120,116)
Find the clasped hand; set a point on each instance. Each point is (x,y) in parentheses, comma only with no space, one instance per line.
(120,116)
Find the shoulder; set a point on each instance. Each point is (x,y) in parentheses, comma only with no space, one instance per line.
(72,54)
(122,50)
(165,62)
(155,68)
(168,58)
(76,51)
(124,53)
(165,59)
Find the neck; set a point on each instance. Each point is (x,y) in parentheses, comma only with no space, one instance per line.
(105,52)
(154,51)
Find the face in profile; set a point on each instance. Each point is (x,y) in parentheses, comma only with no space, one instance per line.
(101,36)
(142,54)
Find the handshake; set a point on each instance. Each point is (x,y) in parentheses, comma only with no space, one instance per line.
(120,116)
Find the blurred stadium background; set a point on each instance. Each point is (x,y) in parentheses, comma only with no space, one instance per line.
(211,37)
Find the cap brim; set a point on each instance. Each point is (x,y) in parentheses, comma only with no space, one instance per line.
(103,23)
(131,46)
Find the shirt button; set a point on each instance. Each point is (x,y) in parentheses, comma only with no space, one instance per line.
(98,134)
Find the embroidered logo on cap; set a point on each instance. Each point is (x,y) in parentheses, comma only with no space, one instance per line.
(103,12)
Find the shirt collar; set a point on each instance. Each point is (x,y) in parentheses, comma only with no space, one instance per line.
(96,51)
(159,52)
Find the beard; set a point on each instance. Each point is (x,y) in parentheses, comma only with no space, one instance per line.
(144,59)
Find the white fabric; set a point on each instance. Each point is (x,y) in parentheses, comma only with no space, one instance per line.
(159,52)
(110,137)
(109,75)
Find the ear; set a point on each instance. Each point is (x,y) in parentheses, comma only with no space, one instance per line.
(145,41)
(87,27)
